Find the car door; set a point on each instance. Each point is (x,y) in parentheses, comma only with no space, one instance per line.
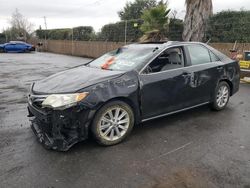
(23,47)
(202,73)
(163,87)
(19,47)
(10,47)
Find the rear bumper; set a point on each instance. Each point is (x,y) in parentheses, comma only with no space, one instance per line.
(59,130)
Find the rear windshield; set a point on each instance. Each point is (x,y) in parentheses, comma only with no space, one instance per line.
(124,59)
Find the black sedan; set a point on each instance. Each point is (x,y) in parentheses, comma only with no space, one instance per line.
(133,84)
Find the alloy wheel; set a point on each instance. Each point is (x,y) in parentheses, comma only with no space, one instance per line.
(114,123)
(222,96)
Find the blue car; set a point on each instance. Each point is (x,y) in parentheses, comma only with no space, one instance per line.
(16,46)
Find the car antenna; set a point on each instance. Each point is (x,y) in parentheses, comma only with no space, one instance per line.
(208,41)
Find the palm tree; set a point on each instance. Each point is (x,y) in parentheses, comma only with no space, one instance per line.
(155,22)
(197,14)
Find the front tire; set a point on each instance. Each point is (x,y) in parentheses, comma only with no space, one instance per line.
(113,123)
(221,96)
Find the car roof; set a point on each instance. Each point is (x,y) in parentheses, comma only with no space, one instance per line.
(162,44)
(18,42)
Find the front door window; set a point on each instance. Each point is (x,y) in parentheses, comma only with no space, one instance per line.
(169,59)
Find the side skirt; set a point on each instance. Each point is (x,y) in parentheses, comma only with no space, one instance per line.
(174,112)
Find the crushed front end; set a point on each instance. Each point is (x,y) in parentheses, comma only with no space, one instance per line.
(57,129)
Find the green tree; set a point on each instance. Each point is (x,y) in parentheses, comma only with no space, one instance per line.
(116,31)
(83,33)
(2,38)
(155,25)
(229,26)
(134,10)
(156,18)
(79,33)
(175,29)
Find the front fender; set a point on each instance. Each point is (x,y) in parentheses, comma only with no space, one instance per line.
(124,87)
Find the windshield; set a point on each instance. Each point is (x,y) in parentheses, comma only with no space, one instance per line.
(125,58)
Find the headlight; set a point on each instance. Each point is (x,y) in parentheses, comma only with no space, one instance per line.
(63,101)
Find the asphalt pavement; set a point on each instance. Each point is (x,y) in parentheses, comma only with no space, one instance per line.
(196,148)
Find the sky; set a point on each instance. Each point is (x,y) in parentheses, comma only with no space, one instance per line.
(96,13)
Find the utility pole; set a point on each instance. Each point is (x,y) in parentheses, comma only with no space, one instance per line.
(45,37)
(125,37)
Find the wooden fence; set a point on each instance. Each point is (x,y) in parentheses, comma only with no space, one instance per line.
(96,48)
(226,47)
(90,49)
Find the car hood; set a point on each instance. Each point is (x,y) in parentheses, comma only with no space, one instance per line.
(73,80)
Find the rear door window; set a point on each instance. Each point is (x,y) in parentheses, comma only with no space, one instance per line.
(214,58)
(198,54)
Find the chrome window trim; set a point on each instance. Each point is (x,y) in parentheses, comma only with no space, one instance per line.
(174,112)
(38,96)
(181,68)
(179,45)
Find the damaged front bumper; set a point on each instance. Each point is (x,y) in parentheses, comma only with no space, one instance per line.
(59,130)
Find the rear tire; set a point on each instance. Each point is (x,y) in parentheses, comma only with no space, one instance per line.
(221,96)
(112,123)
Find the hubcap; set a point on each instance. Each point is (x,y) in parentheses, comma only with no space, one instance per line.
(114,123)
(222,96)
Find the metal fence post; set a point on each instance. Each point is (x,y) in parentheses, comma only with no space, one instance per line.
(72,42)
(125,32)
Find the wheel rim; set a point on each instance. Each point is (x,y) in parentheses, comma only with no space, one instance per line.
(222,96)
(114,123)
